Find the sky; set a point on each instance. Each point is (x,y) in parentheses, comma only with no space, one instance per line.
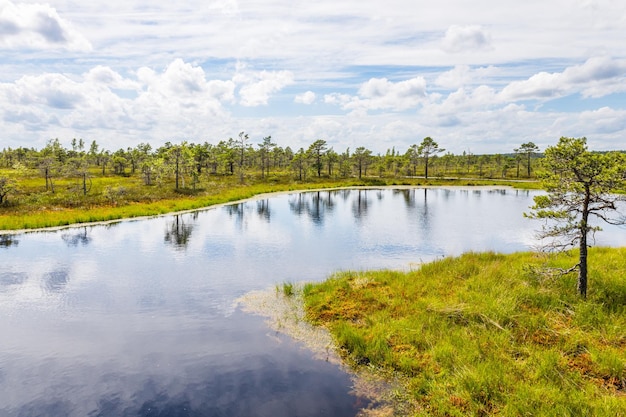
(483,77)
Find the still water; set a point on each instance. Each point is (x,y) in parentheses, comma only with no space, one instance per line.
(139,318)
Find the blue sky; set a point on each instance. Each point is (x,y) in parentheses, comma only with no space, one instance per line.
(480,78)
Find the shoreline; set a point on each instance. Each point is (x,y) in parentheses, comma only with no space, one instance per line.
(285,314)
(253,198)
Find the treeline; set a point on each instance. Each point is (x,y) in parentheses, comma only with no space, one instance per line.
(186,162)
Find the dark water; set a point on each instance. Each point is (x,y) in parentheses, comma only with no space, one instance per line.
(139,318)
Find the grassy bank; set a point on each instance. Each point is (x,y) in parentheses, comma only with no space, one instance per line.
(487,334)
(116,197)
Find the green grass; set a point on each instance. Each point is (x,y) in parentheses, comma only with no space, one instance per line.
(487,334)
(287,289)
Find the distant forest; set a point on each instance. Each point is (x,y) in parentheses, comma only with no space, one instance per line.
(185,164)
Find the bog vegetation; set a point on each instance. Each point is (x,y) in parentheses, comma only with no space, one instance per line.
(486,334)
(59,185)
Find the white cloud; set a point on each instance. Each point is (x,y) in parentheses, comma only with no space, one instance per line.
(183,78)
(453,71)
(380,93)
(227,7)
(178,101)
(466,39)
(305,98)
(464,100)
(402,94)
(105,76)
(37,26)
(455,78)
(597,77)
(539,86)
(465,75)
(183,84)
(257,87)
(595,69)
(337,99)
(54,91)
(603,121)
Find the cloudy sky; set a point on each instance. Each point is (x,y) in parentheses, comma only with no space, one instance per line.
(482,76)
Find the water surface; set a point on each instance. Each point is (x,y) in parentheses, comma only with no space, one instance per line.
(138,318)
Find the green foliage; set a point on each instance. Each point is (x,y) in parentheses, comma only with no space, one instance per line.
(487,334)
(7,186)
(287,289)
(527,149)
(428,148)
(582,186)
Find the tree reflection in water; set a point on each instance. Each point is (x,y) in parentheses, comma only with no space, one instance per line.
(8,240)
(56,281)
(74,239)
(237,212)
(178,232)
(315,204)
(360,205)
(263,209)
(408,195)
(297,204)
(8,279)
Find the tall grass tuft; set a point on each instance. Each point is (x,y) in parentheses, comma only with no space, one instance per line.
(287,289)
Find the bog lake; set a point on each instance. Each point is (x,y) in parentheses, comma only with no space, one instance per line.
(140,317)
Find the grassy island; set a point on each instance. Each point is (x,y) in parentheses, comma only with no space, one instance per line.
(487,334)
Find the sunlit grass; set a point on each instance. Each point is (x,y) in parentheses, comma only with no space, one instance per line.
(487,334)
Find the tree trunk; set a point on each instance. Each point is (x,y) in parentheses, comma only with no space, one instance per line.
(582,266)
(47,174)
(177,173)
(584,229)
